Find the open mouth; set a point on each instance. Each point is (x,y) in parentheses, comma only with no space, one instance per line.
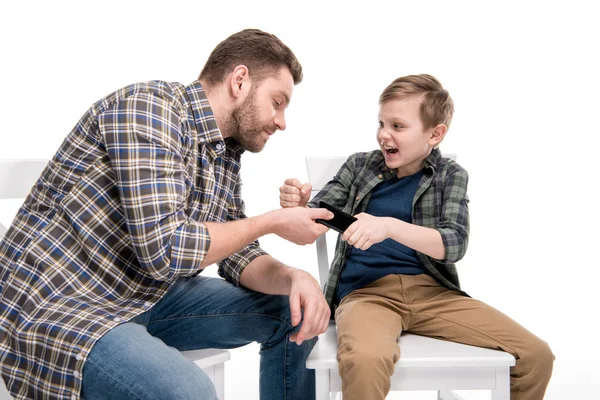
(390,150)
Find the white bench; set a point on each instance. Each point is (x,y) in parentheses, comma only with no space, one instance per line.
(425,363)
(16,179)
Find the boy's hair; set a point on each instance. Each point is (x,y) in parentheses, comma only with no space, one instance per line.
(262,52)
(437,106)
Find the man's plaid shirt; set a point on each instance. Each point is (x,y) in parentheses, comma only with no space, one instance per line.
(115,218)
(440,203)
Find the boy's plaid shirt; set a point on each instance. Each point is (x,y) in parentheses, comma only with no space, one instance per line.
(440,203)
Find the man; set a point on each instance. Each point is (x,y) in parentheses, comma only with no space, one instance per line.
(99,270)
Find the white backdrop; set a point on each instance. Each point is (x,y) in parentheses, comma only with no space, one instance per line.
(523,75)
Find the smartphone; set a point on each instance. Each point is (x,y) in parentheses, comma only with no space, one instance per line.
(340,221)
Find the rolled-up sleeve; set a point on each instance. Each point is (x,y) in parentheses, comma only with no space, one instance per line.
(142,137)
(231,268)
(454,222)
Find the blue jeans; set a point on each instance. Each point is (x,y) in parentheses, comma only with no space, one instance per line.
(139,360)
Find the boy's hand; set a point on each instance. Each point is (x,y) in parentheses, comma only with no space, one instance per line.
(367,231)
(293,193)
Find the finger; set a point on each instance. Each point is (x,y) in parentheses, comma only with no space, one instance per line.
(366,245)
(295,310)
(361,242)
(307,322)
(320,213)
(320,229)
(294,198)
(289,189)
(350,231)
(293,182)
(324,321)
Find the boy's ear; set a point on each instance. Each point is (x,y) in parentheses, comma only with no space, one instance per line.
(437,134)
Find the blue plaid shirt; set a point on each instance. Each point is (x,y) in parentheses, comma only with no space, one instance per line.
(114,219)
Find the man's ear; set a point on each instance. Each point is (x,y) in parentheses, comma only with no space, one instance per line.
(239,82)
(437,134)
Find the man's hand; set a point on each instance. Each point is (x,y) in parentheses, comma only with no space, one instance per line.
(293,193)
(297,224)
(366,231)
(305,294)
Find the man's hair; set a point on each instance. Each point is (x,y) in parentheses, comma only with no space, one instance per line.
(262,52)
(437,106)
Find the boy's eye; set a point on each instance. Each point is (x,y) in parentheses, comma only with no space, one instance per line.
(380,124)
(397,126)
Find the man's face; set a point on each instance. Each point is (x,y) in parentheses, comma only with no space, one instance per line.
(262,111)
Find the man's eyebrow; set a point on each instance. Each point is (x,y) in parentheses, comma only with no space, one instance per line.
(286,97)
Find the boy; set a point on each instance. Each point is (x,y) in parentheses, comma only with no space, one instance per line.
(394,267)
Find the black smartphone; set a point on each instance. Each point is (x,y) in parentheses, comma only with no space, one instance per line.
(340,221)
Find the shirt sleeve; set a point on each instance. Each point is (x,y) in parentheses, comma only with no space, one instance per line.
(454,222)
(336,191)
(231,268)
(142,136)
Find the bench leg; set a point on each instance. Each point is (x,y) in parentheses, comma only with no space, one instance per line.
(322,384)
(219,380)
(502,390)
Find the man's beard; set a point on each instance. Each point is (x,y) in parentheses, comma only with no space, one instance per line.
(244,126)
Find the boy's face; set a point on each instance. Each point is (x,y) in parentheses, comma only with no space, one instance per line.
(401,137)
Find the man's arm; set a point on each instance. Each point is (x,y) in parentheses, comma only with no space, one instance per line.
(294,224)
(267,275)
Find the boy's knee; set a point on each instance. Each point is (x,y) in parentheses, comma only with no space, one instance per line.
(367,359)
(539,359)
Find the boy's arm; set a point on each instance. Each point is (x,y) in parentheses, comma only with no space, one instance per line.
(447,242)
(336,191)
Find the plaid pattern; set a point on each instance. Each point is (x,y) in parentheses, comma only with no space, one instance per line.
(440,203)
(114,219)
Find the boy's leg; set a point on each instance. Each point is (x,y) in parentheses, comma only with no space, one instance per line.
(128,363)
(368,327)
(440,312)
(207,312)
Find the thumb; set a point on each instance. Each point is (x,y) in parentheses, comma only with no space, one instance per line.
(295,309)
(305,190)
(320,213)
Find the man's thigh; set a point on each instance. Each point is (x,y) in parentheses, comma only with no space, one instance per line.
(205,312)
(129,363)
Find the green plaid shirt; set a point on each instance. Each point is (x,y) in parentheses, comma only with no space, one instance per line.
(440,203)
(114,219)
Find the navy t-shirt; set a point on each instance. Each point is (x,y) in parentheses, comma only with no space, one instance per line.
(390,198)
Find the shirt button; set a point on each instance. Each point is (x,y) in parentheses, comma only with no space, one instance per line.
(79,357)
(117,319)
(380,176)
(147,304)
(73,397)
(357,197)
(219,146)
(76,374)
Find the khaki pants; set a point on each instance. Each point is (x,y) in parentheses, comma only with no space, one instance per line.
(370,320)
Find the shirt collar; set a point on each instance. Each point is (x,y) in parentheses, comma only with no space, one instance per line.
(206,125)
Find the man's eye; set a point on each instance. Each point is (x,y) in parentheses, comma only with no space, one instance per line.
(276,103)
